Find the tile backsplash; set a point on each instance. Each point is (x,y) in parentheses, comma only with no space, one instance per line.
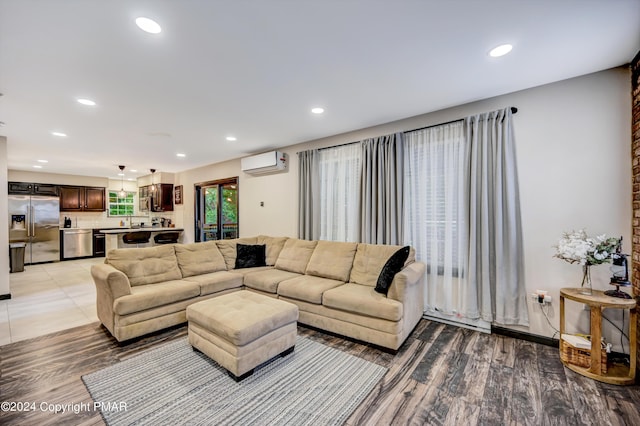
(98,220)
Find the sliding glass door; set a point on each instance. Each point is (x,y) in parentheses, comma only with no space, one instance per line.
(217,210)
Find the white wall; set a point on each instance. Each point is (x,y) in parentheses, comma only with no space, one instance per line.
(4,220)
(573,149)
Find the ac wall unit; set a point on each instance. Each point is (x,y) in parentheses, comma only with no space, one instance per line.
(269,162)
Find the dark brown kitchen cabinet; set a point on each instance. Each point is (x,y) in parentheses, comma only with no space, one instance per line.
(82,199)
(157,198)
(162,198)
(94,199)
(29,188)
(71,198)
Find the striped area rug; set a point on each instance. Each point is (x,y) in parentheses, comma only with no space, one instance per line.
(174,385)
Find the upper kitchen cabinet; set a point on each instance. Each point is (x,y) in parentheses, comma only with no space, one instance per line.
(161,197)
(28,188)
(143,198)
(156,192)
(82,199)
(94,199)
(71,198)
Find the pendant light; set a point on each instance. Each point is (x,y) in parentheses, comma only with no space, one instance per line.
(122,193)
(153,185)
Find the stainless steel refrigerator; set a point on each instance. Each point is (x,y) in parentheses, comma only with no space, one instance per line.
(35,220)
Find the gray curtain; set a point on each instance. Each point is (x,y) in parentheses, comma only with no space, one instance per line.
(308,195)
(381,191)
(495,267)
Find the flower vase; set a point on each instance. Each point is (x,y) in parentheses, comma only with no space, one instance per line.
(586,280)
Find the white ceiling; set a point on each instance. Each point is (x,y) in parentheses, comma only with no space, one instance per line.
(254,69)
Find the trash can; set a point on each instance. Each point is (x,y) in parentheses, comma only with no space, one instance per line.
(16,257)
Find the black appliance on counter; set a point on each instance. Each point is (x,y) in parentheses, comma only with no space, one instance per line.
(67,222)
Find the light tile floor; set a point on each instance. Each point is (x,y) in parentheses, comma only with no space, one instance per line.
(48,297)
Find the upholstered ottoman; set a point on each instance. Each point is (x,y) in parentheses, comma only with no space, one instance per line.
(241,330)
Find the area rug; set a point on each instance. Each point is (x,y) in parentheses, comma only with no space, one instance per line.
(175,385)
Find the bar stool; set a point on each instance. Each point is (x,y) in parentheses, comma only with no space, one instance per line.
(167,238)
(137,238)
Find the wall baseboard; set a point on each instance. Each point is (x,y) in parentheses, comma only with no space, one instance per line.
(617,357)
(522,335)
(5,296)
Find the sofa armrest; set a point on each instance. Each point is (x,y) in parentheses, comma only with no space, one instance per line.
(408,283)
(110,280)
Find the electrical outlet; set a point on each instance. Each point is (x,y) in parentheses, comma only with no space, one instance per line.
(536,298)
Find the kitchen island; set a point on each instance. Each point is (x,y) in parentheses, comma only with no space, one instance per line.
(113,237)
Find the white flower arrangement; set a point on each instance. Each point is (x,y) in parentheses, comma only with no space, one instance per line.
(577,247)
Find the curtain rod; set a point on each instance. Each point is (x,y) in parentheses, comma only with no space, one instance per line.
(514,110)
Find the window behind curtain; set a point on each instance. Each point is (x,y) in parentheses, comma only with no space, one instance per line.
(433,212)
(339,171)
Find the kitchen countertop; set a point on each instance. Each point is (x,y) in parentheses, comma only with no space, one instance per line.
(149,228)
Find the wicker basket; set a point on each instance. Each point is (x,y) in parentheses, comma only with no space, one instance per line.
(580,357)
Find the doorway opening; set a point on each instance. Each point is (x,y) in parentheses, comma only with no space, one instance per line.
(216,210)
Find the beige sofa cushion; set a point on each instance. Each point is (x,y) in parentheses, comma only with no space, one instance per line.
(307,288)
(146,265)
(332,259)
(245,271)
(199,258)
(295,255)
(274,247)
(370,259)
(363,300)
(267,280)
(215,282)
(144,297)
(229,251)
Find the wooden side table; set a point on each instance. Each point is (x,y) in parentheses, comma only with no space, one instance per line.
(618,374)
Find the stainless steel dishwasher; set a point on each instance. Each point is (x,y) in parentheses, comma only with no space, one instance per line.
(77,243)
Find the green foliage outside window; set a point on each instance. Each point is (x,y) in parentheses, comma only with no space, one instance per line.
(121,206)
(211,204)
(230,205)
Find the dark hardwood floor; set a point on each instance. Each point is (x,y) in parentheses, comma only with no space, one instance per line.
(442,375)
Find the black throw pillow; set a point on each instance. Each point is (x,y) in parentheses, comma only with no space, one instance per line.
(390,269)
(250,256)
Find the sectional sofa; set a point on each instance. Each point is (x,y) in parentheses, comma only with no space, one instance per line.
(142,290)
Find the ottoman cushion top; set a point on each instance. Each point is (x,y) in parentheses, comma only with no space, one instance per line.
(243,316)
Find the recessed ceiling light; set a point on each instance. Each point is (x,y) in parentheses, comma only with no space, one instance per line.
(231,138)
(181,155)
(148,25)
(43,161)
(59,134)
(134,171)
(501,50)
(317,110)
(87,102)
(37,167)
(120,174)
(130,179)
